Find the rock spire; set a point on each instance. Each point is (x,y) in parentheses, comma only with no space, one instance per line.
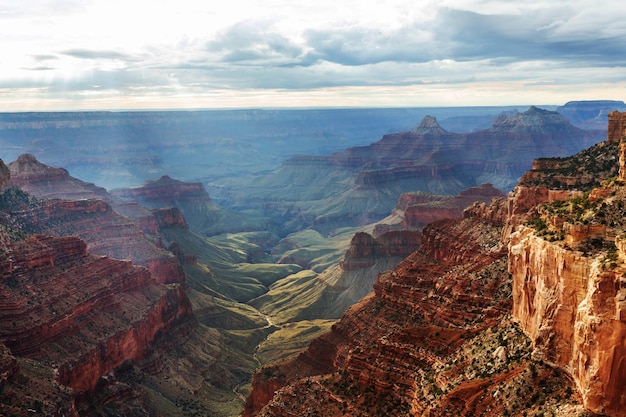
(616,133)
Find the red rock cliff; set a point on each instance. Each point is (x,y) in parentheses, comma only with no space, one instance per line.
(365,249)
(568,300)
(88,314)
(47,182)
(568,291)
(573,312)
(85,212)
(412,347)
(104,231)
(419,209)
(70,317)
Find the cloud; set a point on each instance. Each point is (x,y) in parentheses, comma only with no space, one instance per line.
(99,54)
(40,68)
(453,46)
(119,80)
(254,42)
(292,46)
(12,9)
(363,46)
(44,57)
(517,37)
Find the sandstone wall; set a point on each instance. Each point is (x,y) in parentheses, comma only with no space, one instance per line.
(573,312)
(132,343)
(389,343)
(364,249)
(616,131)
(86,313)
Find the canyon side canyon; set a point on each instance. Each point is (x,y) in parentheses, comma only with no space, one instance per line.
(516,309)
(154,300)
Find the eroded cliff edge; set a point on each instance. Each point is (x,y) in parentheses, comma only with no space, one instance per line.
(569,277)
(517,308)
(68,317)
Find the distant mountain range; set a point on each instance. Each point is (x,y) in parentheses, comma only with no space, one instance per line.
(513,310)
(361,184)
(154,298)
(122,149)
(590,114)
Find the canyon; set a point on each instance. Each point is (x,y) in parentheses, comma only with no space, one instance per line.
(118,149)
(132,344)
(69,317)
(154,299)
(520,299)
(360,184)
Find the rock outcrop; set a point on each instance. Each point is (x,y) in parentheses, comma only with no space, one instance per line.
(568,287)
(85,313)
(69,317)
(503,148)
(365,249)
(419,209)
(104,231)
(166,191)
(573,312)
(190,198)
(560,237)
(47,182)
(73,207)
(434,338)
(616,132)
(357,186)
(51,283)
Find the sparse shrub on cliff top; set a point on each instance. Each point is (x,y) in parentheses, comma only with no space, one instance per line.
(583,171)
(538,223)
(543,229)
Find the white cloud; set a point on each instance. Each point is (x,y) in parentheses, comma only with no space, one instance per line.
(95,53)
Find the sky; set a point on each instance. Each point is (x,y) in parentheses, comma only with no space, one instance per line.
(158,54)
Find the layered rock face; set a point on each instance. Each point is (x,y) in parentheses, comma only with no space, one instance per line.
(433,339)
(68,317)
(429,153)
(91,217)
(365,249)
(568,290)
(573,312)
(358,185)
(420,209)
(559,235)
(48,304)
(617,134)
(106,233)
(47,182)
(87,314)
(191,198)
(168,190)
(617,127)
(416,211)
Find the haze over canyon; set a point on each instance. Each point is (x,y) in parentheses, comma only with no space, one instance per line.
(339,262)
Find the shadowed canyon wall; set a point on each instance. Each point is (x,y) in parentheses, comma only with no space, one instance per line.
(560,237)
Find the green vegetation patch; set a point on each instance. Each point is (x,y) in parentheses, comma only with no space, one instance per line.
(267,273)
(291,339)
(311,250)
(289,296)
(542,229)
(582,171)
